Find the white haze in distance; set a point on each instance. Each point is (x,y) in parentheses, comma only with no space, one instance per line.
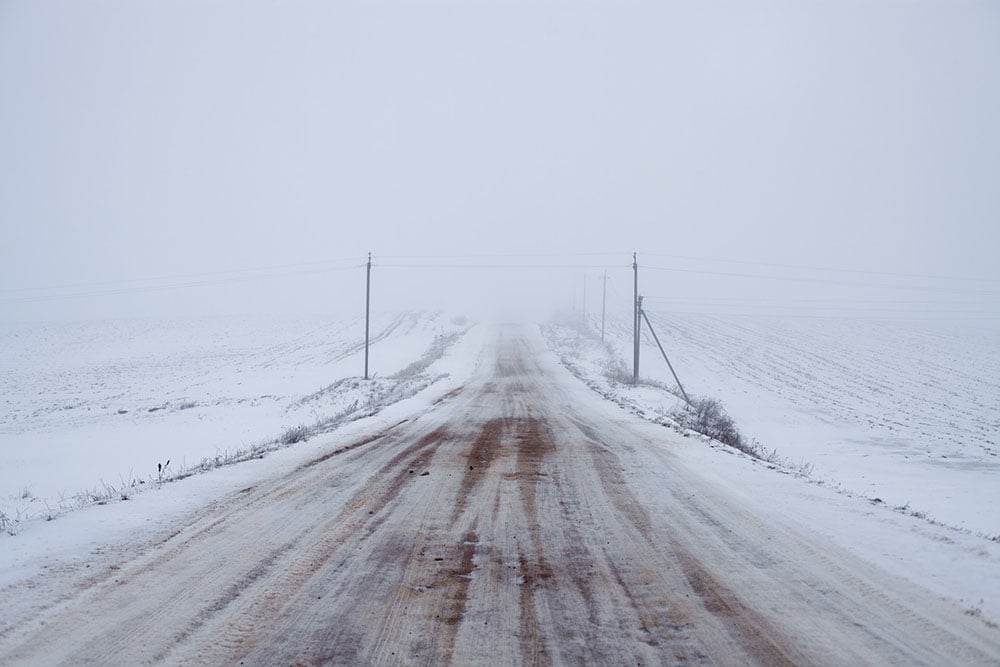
(193,157)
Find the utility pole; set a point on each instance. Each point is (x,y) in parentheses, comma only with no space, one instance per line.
(635,321)
(368,300)
(604,303)
(638,336)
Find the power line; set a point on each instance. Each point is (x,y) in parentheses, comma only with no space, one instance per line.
(531,255)
(766,300)
(900,314)
(845,309)
(173,286)
(183,276)
(806,267)
(822,281)
(492,266)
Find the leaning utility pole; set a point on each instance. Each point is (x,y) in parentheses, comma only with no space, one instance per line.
(368,296)
(604,303)
(664,353)
(635,322)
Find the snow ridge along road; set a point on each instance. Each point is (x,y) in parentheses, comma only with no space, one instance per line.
(520,520)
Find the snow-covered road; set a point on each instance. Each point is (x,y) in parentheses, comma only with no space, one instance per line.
(520,519)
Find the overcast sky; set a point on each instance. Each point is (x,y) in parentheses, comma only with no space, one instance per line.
(164,157)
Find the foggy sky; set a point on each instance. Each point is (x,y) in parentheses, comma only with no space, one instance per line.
(165,157)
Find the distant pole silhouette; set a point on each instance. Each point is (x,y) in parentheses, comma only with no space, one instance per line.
(635,321)
(368,295)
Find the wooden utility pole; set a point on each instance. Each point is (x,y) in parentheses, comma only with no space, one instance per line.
(368,300)
(635,321)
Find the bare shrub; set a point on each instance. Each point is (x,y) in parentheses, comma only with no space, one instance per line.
(7,524)
(295,434)
(708,416)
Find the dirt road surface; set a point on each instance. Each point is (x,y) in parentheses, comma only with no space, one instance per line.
(516,522)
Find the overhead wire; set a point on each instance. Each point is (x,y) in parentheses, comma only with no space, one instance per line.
(895,314)
(487,266)
(182,276)
(170,286)
(467,261)
(806,267)
(821,281)
(502,255)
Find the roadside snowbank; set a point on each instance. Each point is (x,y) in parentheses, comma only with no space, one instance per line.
(903,413)
(952,561)
(95,411)
(46,558)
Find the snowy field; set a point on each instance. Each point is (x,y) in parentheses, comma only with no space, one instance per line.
(93,409)
(902,413)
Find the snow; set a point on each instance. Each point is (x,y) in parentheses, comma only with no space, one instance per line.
(254,376)
(916,516)
(906,411)
(92,407)
(66,546)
